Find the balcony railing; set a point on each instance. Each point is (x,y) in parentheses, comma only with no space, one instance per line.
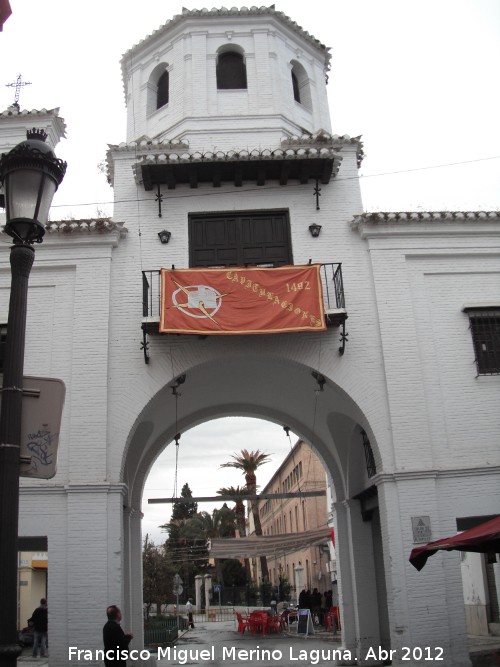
(331,278)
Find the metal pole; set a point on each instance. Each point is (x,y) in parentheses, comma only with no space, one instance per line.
(177,609)
(21,261)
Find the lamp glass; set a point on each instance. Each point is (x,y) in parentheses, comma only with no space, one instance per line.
(29,195)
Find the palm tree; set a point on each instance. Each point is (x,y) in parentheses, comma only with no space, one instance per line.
(238,492)
(248,462)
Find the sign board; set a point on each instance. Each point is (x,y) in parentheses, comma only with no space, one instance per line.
(43,401)
(217,588)
(305,624)
(421,526)
(177,588)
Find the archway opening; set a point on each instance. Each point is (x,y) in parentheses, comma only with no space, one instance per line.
(283,392)
(294,497)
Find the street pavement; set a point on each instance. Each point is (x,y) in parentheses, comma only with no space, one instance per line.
(223,646)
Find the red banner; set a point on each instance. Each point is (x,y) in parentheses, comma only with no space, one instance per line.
(242,301)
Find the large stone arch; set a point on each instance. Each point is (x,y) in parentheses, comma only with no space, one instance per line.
(282,391)
(276,389)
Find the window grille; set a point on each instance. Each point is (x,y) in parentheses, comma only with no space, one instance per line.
(485,331)
(371,468)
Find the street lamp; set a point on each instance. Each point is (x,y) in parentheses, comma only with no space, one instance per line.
(30,174)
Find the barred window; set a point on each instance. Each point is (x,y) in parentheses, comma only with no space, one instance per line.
(371,468)
(485,330)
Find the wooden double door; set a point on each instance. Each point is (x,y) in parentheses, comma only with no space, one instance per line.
(252,238)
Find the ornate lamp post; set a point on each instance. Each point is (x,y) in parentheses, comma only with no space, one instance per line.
(30,174)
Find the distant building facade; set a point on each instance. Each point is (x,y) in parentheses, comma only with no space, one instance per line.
(228,141)
(312,566)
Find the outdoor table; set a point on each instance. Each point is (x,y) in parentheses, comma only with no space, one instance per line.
(258,621)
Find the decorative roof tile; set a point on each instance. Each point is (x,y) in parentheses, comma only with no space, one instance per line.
(14,110)
(424,216)
(309,147)
(91,225)
(414,223)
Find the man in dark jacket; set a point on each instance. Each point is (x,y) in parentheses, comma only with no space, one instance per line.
(115,640)
(40,625)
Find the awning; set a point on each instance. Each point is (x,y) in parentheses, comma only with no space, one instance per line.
(5,12)
(266,545)
(484,538)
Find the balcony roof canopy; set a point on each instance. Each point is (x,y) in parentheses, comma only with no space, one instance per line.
(291,165)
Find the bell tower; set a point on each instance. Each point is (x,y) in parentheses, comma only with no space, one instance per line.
(226,79)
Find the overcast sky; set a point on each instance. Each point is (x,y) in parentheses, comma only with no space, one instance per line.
(202,450)
(418,81)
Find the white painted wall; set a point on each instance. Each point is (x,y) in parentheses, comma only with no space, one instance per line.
(475,589)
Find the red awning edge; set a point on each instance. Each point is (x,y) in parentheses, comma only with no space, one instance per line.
(5,12)
(484,538)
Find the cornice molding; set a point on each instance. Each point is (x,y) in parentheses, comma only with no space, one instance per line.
(409,475)
(65,489)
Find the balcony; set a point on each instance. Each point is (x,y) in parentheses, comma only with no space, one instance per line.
(333,295)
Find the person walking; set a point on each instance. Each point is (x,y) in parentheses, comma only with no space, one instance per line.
(115,640)
(189,610)
(40,619)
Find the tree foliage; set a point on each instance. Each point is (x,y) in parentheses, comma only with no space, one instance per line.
(184,510)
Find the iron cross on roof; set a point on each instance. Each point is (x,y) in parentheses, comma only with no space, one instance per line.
(18,84)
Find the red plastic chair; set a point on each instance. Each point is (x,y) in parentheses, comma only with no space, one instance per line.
(243,623)
(258,622)
(273,623)
(336,616)
(332,619)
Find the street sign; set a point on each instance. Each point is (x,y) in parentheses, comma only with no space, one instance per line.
(43,400)
(305,624)
(421,526)
(177,588)
(217,588)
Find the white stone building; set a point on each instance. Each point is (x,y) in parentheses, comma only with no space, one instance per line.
(239,130)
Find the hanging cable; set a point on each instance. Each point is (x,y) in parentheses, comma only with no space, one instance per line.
(278,187)
(177,438)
